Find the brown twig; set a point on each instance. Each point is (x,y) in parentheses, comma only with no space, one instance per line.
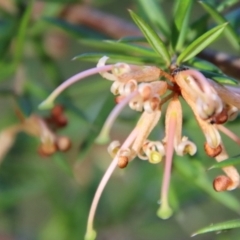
(229,64)
(116,27)
(108,24)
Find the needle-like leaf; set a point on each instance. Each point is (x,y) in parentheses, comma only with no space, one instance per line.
(201,43)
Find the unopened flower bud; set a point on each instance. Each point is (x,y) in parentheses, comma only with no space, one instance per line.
(151,105)
(145,90)
(63,143)
(113,148)
(122,161)
(57,111)
(61,121)
(46,150)
(212,152)
(221,183)
(221,118)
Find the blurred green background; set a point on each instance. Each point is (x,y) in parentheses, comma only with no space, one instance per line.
(48,198)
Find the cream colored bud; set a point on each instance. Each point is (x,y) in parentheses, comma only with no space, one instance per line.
(115,87)
(130,87)
(136,104)
(113,148)
(186,147)
(212,136)
(152,104)
(232,112)
(107,75)
(121,68)
(145,90)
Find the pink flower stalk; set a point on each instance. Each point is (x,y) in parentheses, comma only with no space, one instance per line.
(143,89)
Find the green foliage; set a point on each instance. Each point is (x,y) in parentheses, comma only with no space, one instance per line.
(219,227)
(153,39)
(200,43)
(229,31)
(62,186)
(228,162)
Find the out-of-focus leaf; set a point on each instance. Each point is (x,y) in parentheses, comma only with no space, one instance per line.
(229,31)
(62,1)
(195,173)
(219,227)
(8,30)
(97,124)
(198,27)
(10,197)
(153,39)
(6,70)
(22,31)
(50,10)
(204,65)
(132,39)
(156,15)
(220,78)
(74,30)
(221,6)
(233,17)
(115,58)
(201,43)
(63,164)
(181,18)
(228,162)
(118,47)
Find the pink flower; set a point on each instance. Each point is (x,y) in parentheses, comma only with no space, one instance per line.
(146,89)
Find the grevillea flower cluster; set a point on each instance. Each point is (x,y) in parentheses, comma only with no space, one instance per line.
(146,89)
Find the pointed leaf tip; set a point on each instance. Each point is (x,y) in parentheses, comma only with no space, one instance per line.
(201,43)
(152,37)
(219,227)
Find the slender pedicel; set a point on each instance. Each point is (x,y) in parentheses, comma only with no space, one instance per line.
(48,103)
(103,137)
(229,133)
(91,234)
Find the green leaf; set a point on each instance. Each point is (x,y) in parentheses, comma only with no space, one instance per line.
(220,78)
(203,65)
(229,31)
(60,160)
(221,6)
(219,227)
(228,162)
(200,43)
(118,47)
(152,37)
(97,124)
(196,174)
(132,39)
(156,15)
(115,58)
(198,27)
(74,30)
(181,18)
(22,31)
